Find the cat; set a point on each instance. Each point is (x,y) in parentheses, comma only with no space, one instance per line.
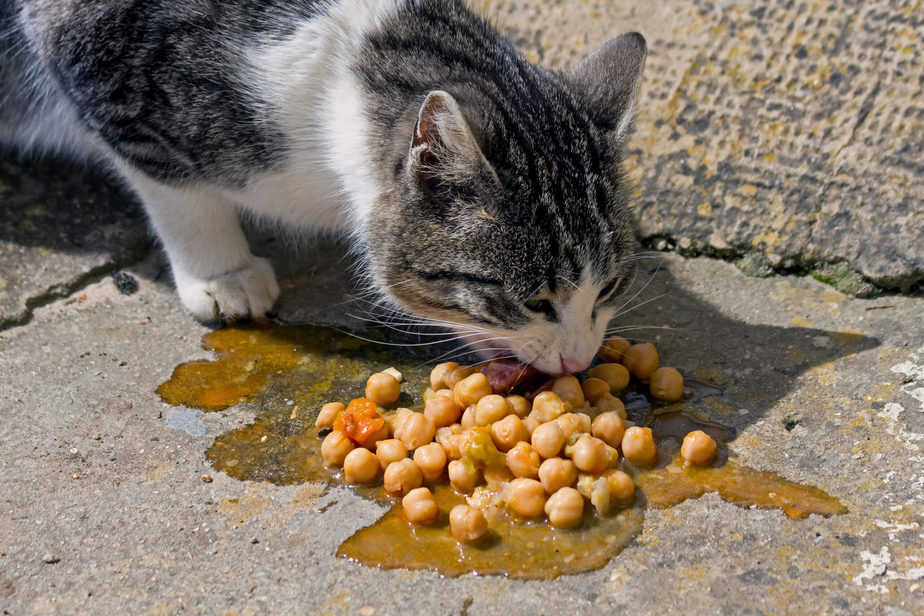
(482,191)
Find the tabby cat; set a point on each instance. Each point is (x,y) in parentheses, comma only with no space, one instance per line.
(482,191)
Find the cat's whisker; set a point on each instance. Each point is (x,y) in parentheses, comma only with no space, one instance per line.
(639,305)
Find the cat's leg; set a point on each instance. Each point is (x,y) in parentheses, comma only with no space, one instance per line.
(216,275)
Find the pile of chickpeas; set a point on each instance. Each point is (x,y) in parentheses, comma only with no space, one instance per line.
(545,458)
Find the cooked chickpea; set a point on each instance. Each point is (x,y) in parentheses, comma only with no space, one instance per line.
(467,523)
(565,508)
(416,430)
(556,473)
(335,447)
(523,460)
(613,349)
(641,360)
(609,427)
(666,384)
(571,423)
(328,414)
(608,403)
(471,389)
(615,375)
(447,438)
(526,497)
(381,434)
(548,405)
(431,460)
(569,389)
(463,475)
(468,417)
(442,410)
(622,488)
(638,446)
(458,374)
(595,388)
(420,507)
(390,450)
(440,373)
(698,448)
(402,476)
(397,419)
(383,389)
(360,466)
(508,432)
(530,423)
(548,439)
(491,408)
(590,454)
(519,406)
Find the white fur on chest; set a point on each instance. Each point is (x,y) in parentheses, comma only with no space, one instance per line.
(306,86)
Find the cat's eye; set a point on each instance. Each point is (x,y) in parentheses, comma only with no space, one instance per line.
(543,306)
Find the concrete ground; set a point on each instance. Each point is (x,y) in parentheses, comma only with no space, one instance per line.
(102,509)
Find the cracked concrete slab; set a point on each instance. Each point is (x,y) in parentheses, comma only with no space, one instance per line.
(792,129)
(104,511)
(61,226)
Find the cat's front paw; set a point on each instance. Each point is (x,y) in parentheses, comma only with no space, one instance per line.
(248,291)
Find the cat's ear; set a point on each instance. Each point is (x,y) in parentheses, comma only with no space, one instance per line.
(608,81)
(443,146)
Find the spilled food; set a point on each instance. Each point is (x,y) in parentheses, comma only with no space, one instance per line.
(487,464)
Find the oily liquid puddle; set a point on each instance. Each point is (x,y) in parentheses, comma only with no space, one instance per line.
(289,372)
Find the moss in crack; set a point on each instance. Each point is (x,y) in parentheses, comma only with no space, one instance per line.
(755,265)
(843,278)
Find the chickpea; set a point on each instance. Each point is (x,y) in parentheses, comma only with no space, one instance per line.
(548,405)
(641,360)
(508,432)
(402,476)
(565,508)
(390,450)
(548,439)
(420,507)
(523,460)
(442,410)
(574,423)
(613,349)
(328,414)
(335,447)
(698,449)
(381,434)
(530,423)
(467,523)
(569,389)
(431,460)
(396,421)
(463,475)
(590,454)
(615,375)
(468,417)
(416,430)
(457,375)
(440,373)
(595,388)
(609,427)
(447,438)
(491,408)
(383,389)
(638,446)
(666,384)
(471,389)
(556,473)
(526,497)
(360,466)
(608,403)
(519,406)
(622,488)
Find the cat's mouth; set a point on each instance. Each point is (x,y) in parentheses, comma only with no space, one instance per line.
(510,375)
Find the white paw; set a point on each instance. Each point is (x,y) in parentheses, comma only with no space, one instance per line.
(248,291)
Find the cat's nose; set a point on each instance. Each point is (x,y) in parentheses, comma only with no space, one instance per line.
(572,364)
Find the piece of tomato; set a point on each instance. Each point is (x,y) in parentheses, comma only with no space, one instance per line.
(359,420)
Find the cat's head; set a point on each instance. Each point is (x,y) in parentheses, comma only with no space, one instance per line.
(508,219)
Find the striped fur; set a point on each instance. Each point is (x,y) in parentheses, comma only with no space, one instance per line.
(483,191)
